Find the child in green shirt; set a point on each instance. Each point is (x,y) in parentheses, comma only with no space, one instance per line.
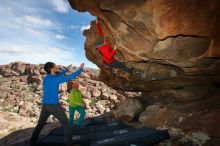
(76,103)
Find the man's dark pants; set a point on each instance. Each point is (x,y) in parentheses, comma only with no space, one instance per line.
(58,112)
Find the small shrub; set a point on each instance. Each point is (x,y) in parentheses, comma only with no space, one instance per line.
(23,88)
(33,88)
(12,129)
(92,103)
(6,109)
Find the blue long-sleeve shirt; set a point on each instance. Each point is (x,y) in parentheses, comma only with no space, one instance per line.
(51,85)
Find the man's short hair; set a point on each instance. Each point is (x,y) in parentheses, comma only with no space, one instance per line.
(48,66)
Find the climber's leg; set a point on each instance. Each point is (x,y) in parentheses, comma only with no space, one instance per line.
(121,65)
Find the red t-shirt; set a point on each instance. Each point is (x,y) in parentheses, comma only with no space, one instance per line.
(107,53)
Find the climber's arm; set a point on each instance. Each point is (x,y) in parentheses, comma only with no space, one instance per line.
(99,28)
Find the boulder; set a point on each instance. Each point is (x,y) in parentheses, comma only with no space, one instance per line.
(84,75)
(129,110)
(35,79)
(63,87)
(96,93)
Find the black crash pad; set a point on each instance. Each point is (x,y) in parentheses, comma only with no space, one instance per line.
(138,137)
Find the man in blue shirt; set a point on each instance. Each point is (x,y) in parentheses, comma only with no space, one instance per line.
(50,102)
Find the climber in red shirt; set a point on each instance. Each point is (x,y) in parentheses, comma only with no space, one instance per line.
(108,52)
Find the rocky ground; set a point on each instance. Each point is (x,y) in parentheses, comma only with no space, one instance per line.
(21,92)
(20,104)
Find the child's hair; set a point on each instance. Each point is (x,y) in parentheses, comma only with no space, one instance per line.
(74,85)
(48,66)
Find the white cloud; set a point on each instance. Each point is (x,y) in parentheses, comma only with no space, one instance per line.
(39,54)
(14,50)
(27,22)
(30,29)
(37,11)
(60,6)
(7,11)
(34,32)
(60,37)
(74,26)
(33,20)
(85,27)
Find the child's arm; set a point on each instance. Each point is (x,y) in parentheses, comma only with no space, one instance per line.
(84,104)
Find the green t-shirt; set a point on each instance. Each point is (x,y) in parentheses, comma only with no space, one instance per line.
(75,98)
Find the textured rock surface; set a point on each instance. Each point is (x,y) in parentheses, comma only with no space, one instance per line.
(168,42)
(175,47)
(129,110)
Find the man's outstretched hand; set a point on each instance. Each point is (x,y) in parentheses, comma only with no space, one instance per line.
(82,65)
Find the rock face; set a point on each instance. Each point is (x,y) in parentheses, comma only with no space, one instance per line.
(171,43)
(175,47)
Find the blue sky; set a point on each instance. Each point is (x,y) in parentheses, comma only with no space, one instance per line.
(37,31)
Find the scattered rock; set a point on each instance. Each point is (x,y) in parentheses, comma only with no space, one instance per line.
(96,93)
(197,138)
(84,75)
(35,79)
(105,96)
(63,87)
(113,97)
